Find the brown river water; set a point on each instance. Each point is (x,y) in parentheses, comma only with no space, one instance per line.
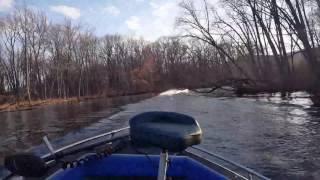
(277,137)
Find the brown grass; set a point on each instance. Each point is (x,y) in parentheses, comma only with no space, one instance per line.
(25,105)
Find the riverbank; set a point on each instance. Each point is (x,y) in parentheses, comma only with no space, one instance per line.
(26,105)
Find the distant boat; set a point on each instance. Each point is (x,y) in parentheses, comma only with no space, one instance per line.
(157,145)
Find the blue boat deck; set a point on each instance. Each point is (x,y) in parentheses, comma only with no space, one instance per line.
(129,166)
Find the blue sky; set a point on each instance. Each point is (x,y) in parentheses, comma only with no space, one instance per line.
(149,19)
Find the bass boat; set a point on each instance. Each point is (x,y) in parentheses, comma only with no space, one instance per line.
(156,145)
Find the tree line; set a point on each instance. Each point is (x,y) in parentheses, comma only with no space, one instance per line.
(41,60)
(241,39)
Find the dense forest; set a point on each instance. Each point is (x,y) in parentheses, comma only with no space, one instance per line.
(257,45)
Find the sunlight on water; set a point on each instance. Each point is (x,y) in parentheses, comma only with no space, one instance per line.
(306,102)
(296,98)
(298,112)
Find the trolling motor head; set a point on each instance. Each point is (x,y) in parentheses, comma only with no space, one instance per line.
(167,130)
(26,165)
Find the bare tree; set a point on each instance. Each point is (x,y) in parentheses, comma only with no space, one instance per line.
(200,24)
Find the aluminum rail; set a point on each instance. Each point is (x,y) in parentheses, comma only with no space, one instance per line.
(220,166)
(85,141)
(249,171)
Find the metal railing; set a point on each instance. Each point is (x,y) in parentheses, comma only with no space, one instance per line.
(111,134)
(248,174)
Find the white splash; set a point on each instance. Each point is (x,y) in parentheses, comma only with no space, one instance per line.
(174,92)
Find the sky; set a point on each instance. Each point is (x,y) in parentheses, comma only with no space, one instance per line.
(149,19)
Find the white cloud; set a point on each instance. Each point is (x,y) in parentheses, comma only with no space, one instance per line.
(163,10)
(6,4)
(164,16)
(133,23)
(68,11)
(112,10)
(157,22)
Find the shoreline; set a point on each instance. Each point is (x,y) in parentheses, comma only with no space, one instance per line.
(25,105)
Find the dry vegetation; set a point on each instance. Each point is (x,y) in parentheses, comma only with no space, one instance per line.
(255,40)
(26,105)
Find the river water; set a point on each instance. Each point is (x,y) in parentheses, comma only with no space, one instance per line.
(277,137)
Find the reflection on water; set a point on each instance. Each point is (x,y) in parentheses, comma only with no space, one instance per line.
(24,129)
(277,137)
